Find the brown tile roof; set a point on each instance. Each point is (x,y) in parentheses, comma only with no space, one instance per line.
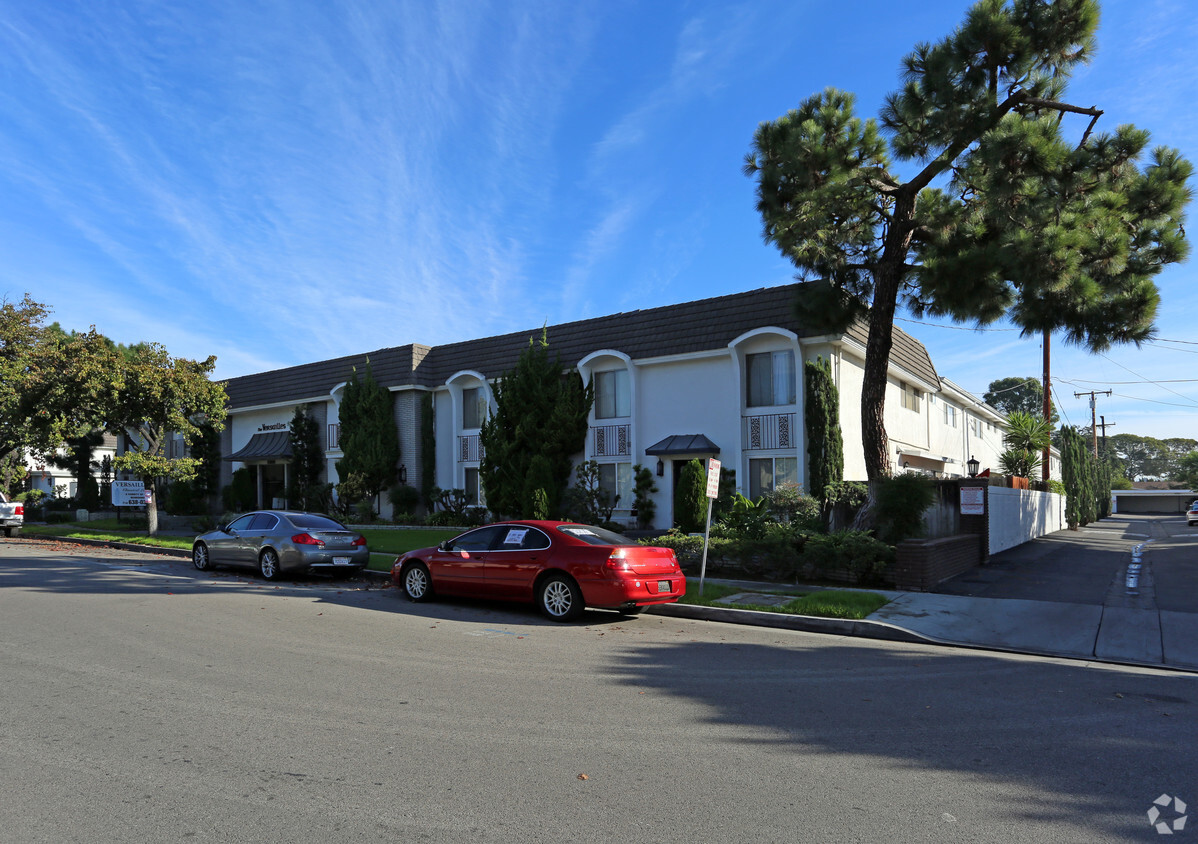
(685,328)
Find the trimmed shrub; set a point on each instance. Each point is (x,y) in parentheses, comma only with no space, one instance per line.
(404,498)
(853,551)
(899,504)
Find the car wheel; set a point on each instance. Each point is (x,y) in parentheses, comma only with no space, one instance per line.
(200,558)
(268,564)
(9,532)
(559,598)
(417,584)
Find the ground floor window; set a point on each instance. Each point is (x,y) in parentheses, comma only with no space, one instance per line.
(616,479)
(766,473)
(475,495)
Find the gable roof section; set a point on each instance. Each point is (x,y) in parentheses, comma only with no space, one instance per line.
(687,328)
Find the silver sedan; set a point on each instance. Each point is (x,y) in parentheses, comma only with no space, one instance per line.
(278,542)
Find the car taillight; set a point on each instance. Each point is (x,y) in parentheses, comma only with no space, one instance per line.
(360,542)
(306,539)
(20,509)
(616,562)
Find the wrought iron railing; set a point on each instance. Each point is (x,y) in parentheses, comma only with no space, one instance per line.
(769,430)
(612,440)
(470,449)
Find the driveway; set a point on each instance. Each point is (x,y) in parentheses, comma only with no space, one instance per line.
(1086,566)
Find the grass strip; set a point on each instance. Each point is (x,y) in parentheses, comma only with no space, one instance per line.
(825,603)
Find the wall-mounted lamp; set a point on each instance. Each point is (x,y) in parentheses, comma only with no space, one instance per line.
(403,474)
(973,466)
(661,467)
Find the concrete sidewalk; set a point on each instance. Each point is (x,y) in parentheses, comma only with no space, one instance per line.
(1085,604)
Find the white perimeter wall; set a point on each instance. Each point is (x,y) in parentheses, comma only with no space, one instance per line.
(1021,515)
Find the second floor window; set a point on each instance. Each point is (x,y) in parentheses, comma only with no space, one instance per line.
(771,377)
(911,397)
(474,408)
(612,396)
(950,415)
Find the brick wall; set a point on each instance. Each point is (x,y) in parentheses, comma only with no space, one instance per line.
(920,564)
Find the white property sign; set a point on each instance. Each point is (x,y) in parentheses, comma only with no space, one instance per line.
(973,501)
(713,478)
(128,494)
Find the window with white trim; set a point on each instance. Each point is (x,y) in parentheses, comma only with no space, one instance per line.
(616,480)
(474,408)
(771,378)
(613,398)
(475,494)
(976,427)
(911,397)
(766,473)
(950,415)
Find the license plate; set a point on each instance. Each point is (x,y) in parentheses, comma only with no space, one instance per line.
(341,561)
(664,586)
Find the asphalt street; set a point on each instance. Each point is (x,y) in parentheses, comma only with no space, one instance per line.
(145,701)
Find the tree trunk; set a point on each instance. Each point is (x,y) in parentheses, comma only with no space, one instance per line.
(152,508)
(887,279)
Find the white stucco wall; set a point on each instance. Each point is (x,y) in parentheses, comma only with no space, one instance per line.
(1020,515)
(697,396)
(848,370)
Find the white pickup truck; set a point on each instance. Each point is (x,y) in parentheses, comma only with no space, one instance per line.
(12,515)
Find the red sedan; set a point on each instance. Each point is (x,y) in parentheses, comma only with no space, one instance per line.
(561,566)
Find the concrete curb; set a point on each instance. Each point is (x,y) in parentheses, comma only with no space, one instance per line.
(802,623)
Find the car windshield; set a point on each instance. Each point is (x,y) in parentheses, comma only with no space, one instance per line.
(595,535)
(313,522)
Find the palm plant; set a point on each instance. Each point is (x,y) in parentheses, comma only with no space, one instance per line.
(1026,437)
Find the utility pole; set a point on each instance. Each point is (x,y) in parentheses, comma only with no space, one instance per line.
(1104,425)
(1093,415)
(1045,458)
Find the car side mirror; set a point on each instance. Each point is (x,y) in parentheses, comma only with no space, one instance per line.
(444,546)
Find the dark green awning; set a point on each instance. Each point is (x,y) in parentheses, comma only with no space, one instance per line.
(683,444)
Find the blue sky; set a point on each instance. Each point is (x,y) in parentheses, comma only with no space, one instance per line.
(282,182)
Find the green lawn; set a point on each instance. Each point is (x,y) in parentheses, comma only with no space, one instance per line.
(76,532)
(828,603)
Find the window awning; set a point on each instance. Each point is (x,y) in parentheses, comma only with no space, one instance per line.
(683,444)
(273,446)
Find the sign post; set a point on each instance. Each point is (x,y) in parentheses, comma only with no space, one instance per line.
(713,491)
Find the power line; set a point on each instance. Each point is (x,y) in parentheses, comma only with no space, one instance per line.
(1138,375)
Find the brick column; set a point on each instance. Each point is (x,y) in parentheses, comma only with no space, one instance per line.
(979,524)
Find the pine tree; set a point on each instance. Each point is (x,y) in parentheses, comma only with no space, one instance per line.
(1004,216)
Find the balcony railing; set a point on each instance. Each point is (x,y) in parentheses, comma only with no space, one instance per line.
(769,430)
(470,450)
(612,440)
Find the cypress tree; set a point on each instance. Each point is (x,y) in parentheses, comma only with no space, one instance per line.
(307,458)
(540,411)
(825,447)
(369,439)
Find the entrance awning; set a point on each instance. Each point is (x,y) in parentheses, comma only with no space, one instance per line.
(683,444)
(273,446)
